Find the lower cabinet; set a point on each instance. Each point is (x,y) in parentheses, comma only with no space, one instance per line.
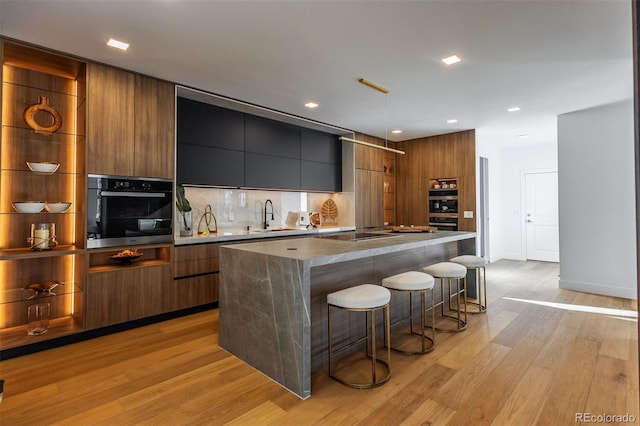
(195,291)
(128,294)
(195,275)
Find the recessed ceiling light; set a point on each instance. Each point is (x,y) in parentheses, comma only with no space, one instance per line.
(452,121)
(450,60)
(513,109)
(311,105)
(118,44)
(522,135)
(396,131)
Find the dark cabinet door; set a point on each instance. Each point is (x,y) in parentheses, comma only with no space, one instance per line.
(208,125)
(268,171)
(322,147)
(263,136)
(316,176)
(210,166)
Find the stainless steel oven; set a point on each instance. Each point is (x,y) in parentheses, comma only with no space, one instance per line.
(123,211)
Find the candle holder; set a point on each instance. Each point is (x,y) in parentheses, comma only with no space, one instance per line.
(42,237)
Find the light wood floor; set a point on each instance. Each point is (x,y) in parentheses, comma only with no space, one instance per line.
(521,363)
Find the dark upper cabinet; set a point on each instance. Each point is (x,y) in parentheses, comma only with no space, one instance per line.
(322,147)
(208,125)
(217,146)
(317,176)
(268,171)
(271,137)
(203,165)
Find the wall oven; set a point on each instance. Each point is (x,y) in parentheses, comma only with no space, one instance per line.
(123,211)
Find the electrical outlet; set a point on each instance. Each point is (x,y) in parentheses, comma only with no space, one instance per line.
(468,214)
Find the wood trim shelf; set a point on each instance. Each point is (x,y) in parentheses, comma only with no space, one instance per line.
(58,327)
(27,253)
(118,267)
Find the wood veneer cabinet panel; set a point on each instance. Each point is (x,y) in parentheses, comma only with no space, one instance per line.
(127,294)
(154,127)
(442,156)
(369,198)
(195,291)
(196,259)
(110,121)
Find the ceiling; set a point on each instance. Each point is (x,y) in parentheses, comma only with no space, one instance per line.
(547,57)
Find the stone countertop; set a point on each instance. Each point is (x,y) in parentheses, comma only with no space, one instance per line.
(238,235)
(322,251)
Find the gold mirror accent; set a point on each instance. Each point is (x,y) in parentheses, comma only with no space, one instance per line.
(207,216)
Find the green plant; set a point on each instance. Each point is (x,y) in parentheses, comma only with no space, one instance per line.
(182,204)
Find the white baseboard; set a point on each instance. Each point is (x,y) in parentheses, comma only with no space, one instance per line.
(607,290)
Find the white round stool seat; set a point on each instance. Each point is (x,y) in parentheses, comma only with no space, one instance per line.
(469,261)
(446,270)
(364,296)
(409,281)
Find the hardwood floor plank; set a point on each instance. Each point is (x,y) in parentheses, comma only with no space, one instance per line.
(527,399)
(519,360)
(456,392)
(569,394)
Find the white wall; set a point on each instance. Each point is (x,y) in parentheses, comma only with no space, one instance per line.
(597,200)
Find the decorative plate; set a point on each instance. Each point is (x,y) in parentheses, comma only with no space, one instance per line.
(329,210)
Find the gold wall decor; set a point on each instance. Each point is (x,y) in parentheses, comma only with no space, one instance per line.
(43,106)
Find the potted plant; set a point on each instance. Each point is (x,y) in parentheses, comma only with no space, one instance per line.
(185,212)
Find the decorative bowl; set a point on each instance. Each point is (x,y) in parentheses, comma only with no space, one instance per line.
(43,168)
(125,257)
(28,206)
(57,207)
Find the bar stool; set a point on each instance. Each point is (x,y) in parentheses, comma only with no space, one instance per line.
(448,271)
(367,298)
(477,264)
(415,282)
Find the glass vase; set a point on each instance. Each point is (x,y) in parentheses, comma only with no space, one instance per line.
(186,224)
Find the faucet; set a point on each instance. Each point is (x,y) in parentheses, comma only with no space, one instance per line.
(266,222)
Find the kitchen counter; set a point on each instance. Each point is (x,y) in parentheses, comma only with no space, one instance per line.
(273,293)
(238,235)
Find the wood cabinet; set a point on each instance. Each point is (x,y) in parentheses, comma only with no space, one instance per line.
(130,124)
(446,156)
(110,121)
(29,76)
(389,188)
(369,186)
(154,125)
(118,293)
(195,273)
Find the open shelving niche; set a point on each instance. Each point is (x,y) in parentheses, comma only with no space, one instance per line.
(28,75)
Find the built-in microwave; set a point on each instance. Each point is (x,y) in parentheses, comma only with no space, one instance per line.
(124,211)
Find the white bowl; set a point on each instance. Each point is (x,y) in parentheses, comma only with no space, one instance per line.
(44,168)
(28,206)
(58,207)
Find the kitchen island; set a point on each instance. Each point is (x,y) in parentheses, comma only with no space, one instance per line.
(273,293)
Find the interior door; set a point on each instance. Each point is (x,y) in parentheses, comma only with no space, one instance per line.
(541,210)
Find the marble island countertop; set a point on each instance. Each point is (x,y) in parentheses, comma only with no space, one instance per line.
(332,248)
(272,305)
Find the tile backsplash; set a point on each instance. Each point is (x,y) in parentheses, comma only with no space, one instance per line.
(238,208)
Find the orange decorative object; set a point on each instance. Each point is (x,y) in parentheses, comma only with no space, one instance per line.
(42,105)
(329,211)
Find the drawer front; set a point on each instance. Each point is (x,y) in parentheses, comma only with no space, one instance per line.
(195,291)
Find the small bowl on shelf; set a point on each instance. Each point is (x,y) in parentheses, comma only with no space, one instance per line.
(126,257)
(43,168)
(57,207)
(28,206)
